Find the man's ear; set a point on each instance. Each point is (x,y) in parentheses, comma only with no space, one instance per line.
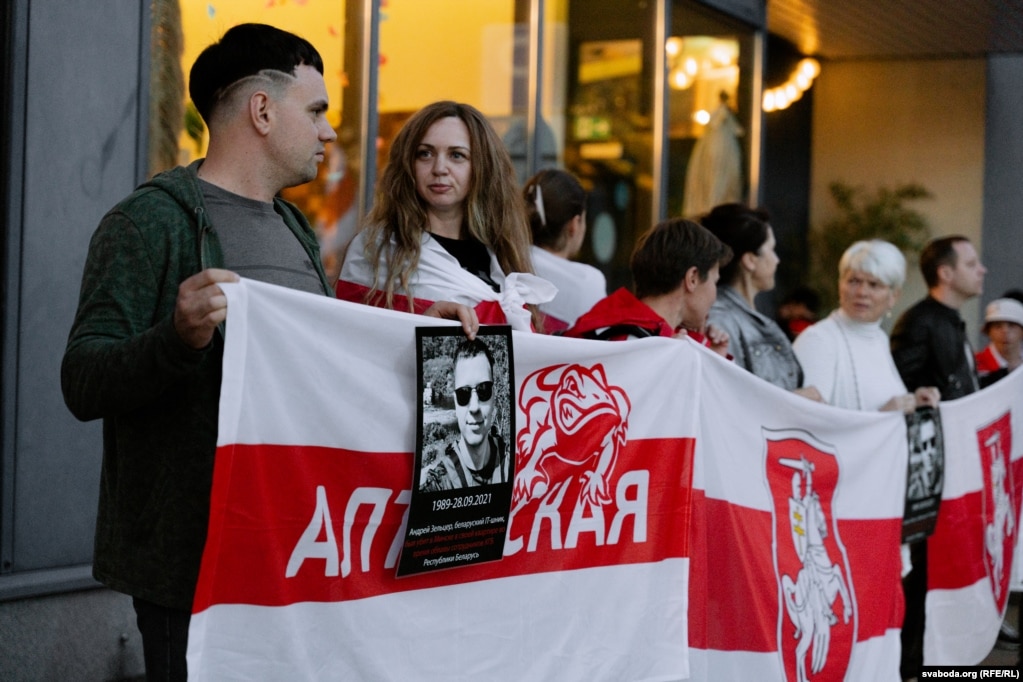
(260,106)
(692,279)
(946,272)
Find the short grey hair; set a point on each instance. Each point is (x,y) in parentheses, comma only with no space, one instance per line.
(877,258)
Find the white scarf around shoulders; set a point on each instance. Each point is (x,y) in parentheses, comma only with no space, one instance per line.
(439,277)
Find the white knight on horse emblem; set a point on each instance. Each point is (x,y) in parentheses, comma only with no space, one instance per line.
(809,597)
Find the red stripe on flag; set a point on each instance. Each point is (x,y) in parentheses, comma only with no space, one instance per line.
(956,551)
(960,525)
(266,496)
(733,596)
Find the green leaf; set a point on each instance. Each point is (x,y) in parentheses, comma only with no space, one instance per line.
(881,215)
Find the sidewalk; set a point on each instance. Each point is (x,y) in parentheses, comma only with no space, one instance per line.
(1003,656)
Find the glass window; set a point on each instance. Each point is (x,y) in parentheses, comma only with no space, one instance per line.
(710,63)
(609,126)
(553,85)
(472,52)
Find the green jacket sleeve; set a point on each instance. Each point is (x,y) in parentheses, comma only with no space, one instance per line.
(122,351)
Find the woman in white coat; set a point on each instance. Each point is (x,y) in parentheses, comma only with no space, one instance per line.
(846,355)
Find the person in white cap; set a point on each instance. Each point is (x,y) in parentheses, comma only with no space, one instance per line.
(1003,325)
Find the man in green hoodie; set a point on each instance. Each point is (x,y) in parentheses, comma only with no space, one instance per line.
(145,349)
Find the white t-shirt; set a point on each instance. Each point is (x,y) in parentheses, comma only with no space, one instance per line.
(579,285)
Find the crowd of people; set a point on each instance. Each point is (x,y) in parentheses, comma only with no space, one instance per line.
(450,235)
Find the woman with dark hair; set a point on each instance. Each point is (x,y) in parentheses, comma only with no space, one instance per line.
(556,205)
(447,225)
(756,342)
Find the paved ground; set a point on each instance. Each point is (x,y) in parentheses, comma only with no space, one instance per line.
(1001,656)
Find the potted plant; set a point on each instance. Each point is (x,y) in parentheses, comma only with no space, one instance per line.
(882,215)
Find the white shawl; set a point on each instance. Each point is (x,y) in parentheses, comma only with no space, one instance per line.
(439,277)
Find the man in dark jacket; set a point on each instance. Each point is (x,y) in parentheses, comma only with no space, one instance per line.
(145,349)
(929,342)
(930,348)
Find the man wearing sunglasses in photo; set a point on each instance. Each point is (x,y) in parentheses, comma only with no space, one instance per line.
(478,456)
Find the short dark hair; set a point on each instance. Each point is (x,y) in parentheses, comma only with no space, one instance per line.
(938,252)
(562,198)
(471,348)
(664,254)
(742,228)
(246,50)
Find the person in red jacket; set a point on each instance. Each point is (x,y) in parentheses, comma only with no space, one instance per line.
(675,272)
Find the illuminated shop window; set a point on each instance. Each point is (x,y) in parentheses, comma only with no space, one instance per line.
(433,50)
(709,60)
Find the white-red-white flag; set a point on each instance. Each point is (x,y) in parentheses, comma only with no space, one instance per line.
(970,555)
(311,484)
(797,521)
(773,556)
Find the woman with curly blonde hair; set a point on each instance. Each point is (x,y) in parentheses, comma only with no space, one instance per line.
(448,224)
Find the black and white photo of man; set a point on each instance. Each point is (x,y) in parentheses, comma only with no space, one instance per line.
(479,456)
(925,463)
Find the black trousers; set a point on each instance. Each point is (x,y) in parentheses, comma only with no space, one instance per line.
(914,589)
(164,640)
